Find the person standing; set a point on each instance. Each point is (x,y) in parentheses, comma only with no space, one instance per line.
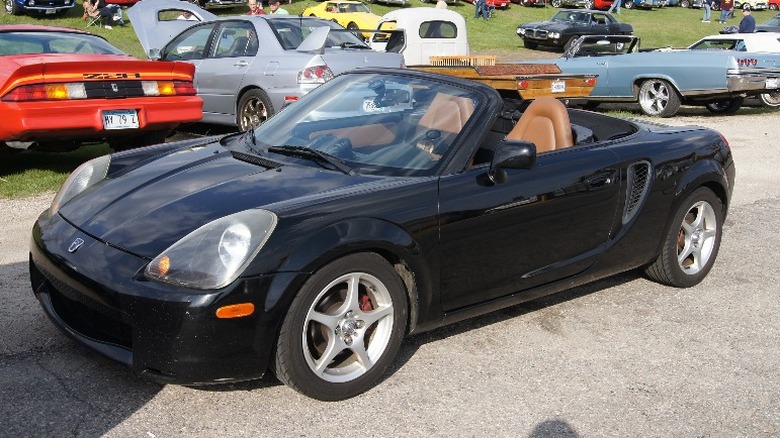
(275,9)
(255,8)
(707,5)
(726,7)
(748,22)
(616,6)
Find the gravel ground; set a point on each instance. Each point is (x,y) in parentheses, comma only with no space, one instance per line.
(621,357)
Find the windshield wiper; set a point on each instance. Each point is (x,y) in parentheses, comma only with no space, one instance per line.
(304,152)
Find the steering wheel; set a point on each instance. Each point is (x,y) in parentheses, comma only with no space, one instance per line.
(336,146)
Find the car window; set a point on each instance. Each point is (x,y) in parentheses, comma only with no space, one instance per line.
(378,124)
(385,25)
(719,44)
(353,7)
(291,33)
(235,39)
(22,43)
(190,44)
(438,29)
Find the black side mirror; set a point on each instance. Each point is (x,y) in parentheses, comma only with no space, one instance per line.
(511,154)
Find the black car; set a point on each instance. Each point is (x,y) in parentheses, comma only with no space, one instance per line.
(771,25)
(566,26)
(383,204)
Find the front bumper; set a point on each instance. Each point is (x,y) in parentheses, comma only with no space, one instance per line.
(97,296)
(82,119)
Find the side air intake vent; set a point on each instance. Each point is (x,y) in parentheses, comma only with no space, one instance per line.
(638,182)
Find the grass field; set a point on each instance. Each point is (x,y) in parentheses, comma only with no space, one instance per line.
(34,172)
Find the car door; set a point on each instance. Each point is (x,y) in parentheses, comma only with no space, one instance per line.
(221,73)
(542,225)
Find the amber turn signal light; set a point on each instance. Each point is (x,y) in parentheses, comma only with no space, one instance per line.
(236,310)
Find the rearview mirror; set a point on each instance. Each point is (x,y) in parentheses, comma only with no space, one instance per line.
(154,54)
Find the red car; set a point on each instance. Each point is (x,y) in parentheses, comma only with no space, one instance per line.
(60,87)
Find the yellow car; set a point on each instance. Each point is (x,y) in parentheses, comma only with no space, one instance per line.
(350,14)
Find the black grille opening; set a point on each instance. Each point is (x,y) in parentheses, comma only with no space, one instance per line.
(84,315)
(638,181)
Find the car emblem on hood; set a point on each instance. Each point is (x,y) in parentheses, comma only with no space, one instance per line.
(76,244)
(114,87)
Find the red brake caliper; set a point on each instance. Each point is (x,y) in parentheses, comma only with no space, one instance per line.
(365,303)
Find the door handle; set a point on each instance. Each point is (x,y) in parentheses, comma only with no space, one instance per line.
(240,64)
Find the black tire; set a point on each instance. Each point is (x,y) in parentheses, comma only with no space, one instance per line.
(658,98)
(254,108)
(569,42)
(685,4)
(629,4)
(352,26)
(11,8)
(529,44)
(770,100)
(556,3)
(773,7)
(321,321)
(727,106)
(589,4)
(692,242)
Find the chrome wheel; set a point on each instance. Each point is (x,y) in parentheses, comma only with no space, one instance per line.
(697,238)
(771,100)
(658,98)
(348,327)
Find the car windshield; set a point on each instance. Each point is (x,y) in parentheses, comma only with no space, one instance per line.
(719,44)
(353,7)
(39,42)
(374,124)
(571,17)
(292,31)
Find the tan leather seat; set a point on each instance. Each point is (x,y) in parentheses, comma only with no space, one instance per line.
(545,123)
(447,113)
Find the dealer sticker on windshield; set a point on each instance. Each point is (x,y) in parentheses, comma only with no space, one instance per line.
(772,83)
(120,119)
(558,86)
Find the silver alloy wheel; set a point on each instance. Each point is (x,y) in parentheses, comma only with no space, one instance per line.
(348,327)
(253,113)
(9,7)
(697,237)
(658,98)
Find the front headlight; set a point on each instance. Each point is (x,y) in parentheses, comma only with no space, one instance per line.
(85,176)
(520,31)
(215,254)
(554,35)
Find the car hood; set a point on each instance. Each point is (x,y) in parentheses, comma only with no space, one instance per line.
(146,208)
(86,67)
(154,34)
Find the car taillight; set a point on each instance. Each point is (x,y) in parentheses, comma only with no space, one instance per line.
(318,74)
(77,90)
(168,88)
(46,92)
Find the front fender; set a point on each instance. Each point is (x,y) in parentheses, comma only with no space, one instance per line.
(355,235)
(636,83)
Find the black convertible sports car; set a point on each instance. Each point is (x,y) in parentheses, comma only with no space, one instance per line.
(383,204)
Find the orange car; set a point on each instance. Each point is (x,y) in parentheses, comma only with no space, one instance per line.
(60,87)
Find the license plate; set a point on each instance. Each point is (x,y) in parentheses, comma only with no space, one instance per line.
(120,119)
(51,11)
(559,87)
(772,83)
